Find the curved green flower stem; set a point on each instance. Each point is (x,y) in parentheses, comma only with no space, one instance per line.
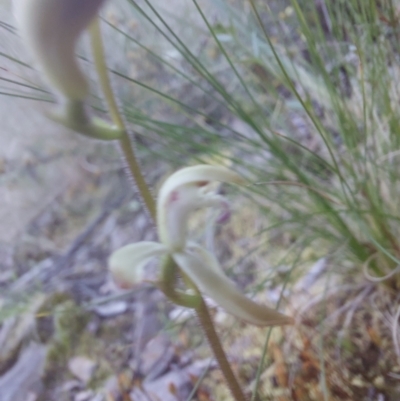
(208,326)
(169,271)
(124,140)
(196,302)
(73,115)
(169,267)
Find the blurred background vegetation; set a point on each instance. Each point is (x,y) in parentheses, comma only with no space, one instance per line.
(301,97)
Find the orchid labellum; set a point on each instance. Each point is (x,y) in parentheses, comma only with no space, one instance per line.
(182,193)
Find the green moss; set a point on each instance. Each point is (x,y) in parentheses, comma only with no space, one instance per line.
(68,321)
(94,348)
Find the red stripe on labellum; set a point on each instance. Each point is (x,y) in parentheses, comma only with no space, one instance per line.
(174,196)
(202,183)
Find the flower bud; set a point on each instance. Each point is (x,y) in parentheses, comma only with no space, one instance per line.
(51,29)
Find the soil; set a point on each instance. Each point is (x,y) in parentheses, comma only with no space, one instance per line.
(67,332)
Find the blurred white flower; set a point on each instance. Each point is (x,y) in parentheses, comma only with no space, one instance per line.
(181,194)
(51,29)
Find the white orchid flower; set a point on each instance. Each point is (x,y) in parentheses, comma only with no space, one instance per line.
(51,29)
(181,194)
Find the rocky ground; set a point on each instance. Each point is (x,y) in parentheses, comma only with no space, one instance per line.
(67,332)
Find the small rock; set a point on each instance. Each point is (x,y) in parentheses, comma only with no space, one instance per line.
(221,317)
(180,314)
(357,381)
(31,397)
(147,316)
(14,331)
(71,385)
(134,206)
(98,397)
(312,276)
(94,325)
(111,387)
(379,382)
(23,380)
(141,222)
(174,385)
(84,395)
(6,276)
(156,357)
(82,368)
(112,309)
(109,287)
(171,387)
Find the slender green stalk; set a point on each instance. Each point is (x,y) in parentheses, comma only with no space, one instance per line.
(213,339)
(197,303)
(125,142)
(192,301)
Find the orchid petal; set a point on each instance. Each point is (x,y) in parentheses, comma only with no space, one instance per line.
(127,263)
(174,223)
(204,270)
(196,174)
(51,28)
(209,259)
(183,193)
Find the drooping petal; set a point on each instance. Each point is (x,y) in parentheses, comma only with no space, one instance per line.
(127,263)
(51,28)
(182,193)
(207,257)
(204,270)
